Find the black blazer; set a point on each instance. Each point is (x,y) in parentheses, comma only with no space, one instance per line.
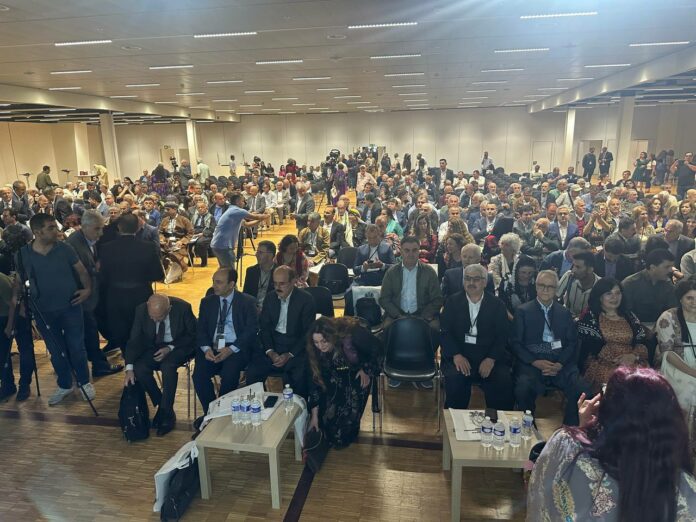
(182,323)
(306,207)
(337,236)
(61,209)
(529,330)
(244,319)
(684,245)
(130,261)
(491,325)
(453,282)
(251,281)
(78,241)
(624,266)
(376,211)
(301,314)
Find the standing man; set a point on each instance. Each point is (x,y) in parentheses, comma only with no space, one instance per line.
(684,172)
(304,205)
(589,163)
(227,229)
(162,338)
(202,171)
(233,165)
(43,179)
(84,242)
(605,159)
(20,201)
(50,267)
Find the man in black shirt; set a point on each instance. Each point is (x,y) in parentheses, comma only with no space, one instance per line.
(684,172)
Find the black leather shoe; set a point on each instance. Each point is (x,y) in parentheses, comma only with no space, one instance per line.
(166,424)
(6,394)
(156,420)
(23,393)
(107,370)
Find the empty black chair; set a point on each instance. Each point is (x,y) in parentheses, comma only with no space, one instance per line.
(410,356)
(334,276)
(222,182)
(346,256)
(322,300)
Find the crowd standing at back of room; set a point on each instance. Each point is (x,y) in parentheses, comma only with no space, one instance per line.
(527,281)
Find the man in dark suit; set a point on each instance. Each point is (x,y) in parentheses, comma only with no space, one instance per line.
(219,206)
(543,196)
(285,319)
(302,207)
(337,232)
(610,261)
(162,338)
(443,173)
(453,279)
(259,277)
(61,207)
(605,159)
(473,337)
(545,343)
(203,229)
(146,232)
(563,228)
(128,268)
(484,225)
(226,336)
(371,210)
(589,163)
(678,243)
(84,243)
(562,260)
(20,201)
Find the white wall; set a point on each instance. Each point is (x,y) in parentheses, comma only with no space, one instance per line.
(139,145)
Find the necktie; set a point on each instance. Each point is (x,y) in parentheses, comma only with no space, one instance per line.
(223,316)
(200,221)
(159,337)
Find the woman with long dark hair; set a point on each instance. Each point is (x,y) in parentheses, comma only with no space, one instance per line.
(519,287)
(427,239)
(342,358)
(627,462)
(290,254)
(609,335)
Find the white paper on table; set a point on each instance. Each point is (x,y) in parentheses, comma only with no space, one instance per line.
(180,460)
(466,430)
(222,406)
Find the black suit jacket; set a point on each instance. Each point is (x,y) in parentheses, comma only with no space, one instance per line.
(376,211)
(244,319)
(61,209)
(251,281)
(624,266)
(78,241)
(301,314)
(684,245)
(491,326)
(182,323)
(453,282)
(130,261)
(529,329)
(337,236)
(306,207)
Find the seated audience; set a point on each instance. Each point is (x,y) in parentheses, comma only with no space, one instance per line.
(427,239)
(576,284)
(203,229)
(259,277)
(501,264)
(314,240)
(290,254)
(610,261)
(335,230)
(453,279)
(562,260)
(518,288)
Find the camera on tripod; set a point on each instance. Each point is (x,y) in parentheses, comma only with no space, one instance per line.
(175,165)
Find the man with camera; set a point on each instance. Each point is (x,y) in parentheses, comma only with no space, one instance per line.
(684,172)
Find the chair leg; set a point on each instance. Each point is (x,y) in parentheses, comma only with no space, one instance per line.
(382,386)
(438,392)
(188,391)
(36,380)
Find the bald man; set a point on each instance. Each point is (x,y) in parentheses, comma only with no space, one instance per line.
(162,338)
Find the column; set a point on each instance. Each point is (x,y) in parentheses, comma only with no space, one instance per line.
(192,141)
(623,136)
(568,138)
(667,125)
(108,133)
(81,147)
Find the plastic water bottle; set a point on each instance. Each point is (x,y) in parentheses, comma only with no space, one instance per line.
(236,410)
(287,398)
(486,433)
(527,425)
(515,433)
(246,411)
(499,436)
(255,413)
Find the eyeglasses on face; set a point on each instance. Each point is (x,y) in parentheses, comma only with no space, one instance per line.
(469,279)
(546,288)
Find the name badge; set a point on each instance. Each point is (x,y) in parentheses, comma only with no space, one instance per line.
(220,343)
(311,253)
(556,345)
(470,339)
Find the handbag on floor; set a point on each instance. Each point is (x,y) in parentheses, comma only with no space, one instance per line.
(184,485)
(315,449)
(133,413)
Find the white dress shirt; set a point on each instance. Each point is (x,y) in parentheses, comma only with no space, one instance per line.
(474,309)
(167,337)
(282,326)
(409,295)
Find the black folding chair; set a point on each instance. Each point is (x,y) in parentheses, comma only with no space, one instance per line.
(322,300)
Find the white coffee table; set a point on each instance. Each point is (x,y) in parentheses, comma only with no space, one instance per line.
(458,454)
(221,433)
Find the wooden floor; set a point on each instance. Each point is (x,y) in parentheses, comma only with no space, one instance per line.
(63,464)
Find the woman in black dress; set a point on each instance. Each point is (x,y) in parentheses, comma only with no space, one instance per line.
(342,359)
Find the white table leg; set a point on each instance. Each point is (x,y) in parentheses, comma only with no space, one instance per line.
(456,491)
(204,472)
(446,452)
(275,478)
(298,447)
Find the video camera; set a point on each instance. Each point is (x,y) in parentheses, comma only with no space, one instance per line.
(175,165)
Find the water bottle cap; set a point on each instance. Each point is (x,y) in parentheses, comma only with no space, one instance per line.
(528,412)
(488,417)
(287,385)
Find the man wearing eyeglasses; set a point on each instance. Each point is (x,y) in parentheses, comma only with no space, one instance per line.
(473,338)
(545,343)
(259,278)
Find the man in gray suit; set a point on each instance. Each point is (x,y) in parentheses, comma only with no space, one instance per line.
(302,207)
(256,204)
(84,242)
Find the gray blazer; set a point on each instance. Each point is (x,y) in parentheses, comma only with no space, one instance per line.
(78,241)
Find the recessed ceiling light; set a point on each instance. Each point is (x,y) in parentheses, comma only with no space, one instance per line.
(551,89)
(332,89)
(489,83)
(396,75)
(224,110)
(335,37)
(654,89)
(672,101)
(347,96)
(597,66)
(302,104)
(521,101)
(5,105)
(475,98)
(245,113)
(359,103)
(199,107)
(407,86)
(482,90)
(64,88)
(82,42)
(158,67)
(501,70)
(214,82)
(371,107)
(165,102)
(418,105)
(252,105)
(123,96)
(655,44)
(258,92)
(143,85)
(131,48)
(390,56)
(418,108)
(328,112)
(58,110)
(221,35)
(413,94)
(283,99)
(528,50)
(190,94)
(269,110)
(117,113)
(318,108)
(379,26)
(287,112)
(573,79)
(419,100)
(309,78)
(373,110)
(225,101)
(535,95)
(83,71)
(276,62)
(558,15)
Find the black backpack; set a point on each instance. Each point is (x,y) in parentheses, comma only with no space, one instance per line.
(368,309)
(184,485)
(133,414)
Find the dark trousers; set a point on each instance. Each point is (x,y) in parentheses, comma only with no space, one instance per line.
(228,370)
(120,311)
(531,383)
(588,174)
(144,368)
(497,387)
(25,345)
(294,372)
(64,334)
(200,249)
(94,353)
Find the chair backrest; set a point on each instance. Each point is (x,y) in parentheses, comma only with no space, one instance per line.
(322,300)
(334,276)
(409,342)
(346,256)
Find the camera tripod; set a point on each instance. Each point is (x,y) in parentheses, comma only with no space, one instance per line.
(240,250)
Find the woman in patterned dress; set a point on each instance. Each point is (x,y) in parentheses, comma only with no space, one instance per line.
(609,335)
(628,461)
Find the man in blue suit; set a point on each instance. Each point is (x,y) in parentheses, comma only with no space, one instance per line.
(562,227)
(226,335)
(545,342)
(453,279)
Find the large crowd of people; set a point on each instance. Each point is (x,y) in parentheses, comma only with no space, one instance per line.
(528,282)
